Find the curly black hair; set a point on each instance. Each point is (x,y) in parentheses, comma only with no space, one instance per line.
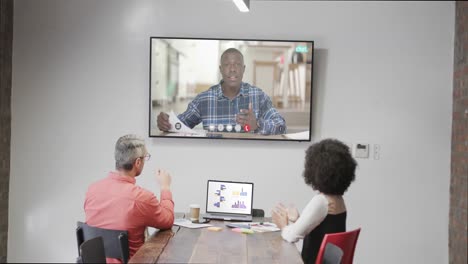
(329,167)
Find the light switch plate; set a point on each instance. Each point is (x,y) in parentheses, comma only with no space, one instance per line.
(361,151)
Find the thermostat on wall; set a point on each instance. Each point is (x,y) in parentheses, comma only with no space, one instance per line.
(361,151)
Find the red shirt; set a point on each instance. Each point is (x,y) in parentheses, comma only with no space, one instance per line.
(117,203)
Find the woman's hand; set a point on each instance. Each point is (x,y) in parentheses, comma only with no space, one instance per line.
(293,214)
(280,216)
(290,211)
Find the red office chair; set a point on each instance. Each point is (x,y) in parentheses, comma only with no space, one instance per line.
(344,240)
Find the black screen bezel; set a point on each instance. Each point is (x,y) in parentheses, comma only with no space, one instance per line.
(240,138)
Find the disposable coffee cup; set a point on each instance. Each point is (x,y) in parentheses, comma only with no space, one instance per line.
(194,212)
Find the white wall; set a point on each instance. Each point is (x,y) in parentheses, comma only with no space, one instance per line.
(383,75)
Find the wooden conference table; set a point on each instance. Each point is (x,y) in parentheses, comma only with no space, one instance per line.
(185,245)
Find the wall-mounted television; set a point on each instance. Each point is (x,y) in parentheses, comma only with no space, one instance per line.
(211,88)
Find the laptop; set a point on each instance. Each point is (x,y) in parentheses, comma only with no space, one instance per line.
(229,201)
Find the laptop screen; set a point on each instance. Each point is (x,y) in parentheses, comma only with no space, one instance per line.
(229,197)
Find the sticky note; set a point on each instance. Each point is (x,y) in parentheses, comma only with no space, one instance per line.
(247,231)
(214,228)
(237,229)
(243,230)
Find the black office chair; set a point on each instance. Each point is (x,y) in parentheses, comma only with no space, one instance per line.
(115,241)
(92,251)
(258,213)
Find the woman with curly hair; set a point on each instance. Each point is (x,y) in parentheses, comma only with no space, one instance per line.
(329,169)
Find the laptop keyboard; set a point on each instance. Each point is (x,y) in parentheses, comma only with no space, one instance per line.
(228,217)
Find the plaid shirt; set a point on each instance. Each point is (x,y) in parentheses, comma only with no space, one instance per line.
(213,108)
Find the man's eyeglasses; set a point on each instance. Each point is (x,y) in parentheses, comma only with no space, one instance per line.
(146,157)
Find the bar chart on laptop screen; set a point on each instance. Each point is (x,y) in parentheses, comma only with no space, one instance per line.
(228,197)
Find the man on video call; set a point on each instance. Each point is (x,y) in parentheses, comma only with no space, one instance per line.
(230,103)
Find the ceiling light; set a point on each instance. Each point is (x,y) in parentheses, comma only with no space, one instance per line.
(243,5)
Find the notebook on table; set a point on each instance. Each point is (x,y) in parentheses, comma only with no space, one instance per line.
(229,201)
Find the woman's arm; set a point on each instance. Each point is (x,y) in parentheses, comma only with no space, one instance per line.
(312,215)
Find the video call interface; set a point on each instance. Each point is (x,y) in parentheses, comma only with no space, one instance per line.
(181,69)
(228,197)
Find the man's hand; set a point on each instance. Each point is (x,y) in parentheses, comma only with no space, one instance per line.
(247,117)
(163,122)
(164,179)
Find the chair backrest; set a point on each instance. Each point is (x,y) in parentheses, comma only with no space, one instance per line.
(115,241)
(92,251)
(258,213)
(332,255)
(344,240)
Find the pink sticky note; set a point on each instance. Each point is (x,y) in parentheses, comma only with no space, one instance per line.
(237,229)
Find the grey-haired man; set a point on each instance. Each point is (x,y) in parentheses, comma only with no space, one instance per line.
(115,202)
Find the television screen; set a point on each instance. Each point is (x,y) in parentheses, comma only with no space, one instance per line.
(230,88)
